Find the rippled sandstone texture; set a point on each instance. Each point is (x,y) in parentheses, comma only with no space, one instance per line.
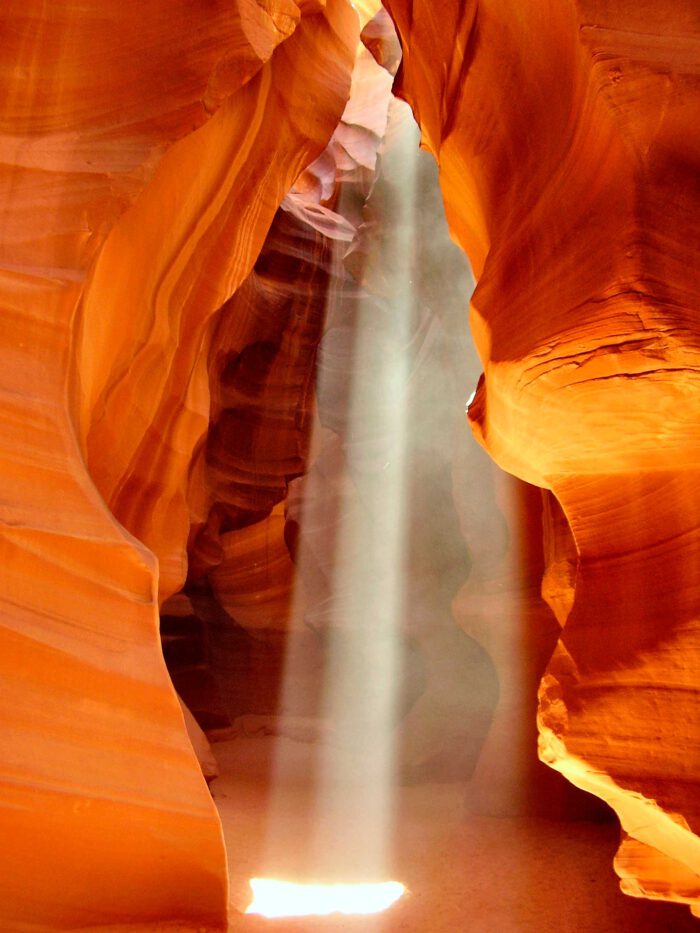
(145,150)
(568,151)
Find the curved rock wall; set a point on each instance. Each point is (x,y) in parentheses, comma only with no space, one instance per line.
(202,221)
(145,153)
(145,150)
(568,159)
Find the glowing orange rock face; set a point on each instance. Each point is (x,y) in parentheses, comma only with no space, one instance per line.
(569,156)
(219,187)
(144,153)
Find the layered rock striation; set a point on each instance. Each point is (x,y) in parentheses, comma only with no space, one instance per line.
(144,154)
(182,184)
(568,161)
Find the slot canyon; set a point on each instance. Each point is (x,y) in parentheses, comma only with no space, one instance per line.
(350,370)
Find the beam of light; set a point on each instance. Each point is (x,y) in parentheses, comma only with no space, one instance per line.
(358,612)
(286,899)
(365,634)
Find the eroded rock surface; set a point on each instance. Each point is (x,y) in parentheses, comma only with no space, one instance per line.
(171,233)
(145,151)
(568,157)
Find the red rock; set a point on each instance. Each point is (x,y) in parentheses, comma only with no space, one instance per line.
(172,179)
(568,161)
(145,151)
(140,432)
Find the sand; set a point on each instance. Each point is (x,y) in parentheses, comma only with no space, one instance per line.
(463,872)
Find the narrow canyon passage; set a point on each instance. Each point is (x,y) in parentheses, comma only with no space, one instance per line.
(365,660)
(270,607)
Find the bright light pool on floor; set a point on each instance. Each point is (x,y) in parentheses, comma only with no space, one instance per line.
(287,899)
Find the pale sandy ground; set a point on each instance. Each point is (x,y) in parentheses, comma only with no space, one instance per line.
(465,874)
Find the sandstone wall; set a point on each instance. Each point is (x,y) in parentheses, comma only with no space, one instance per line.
(145,149)
(565,136)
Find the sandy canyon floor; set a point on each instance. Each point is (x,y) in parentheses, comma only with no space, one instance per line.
(462,872)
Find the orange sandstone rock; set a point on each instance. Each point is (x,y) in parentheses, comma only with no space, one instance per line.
(202,222)
(568,151)
(262,368)
(144,153)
